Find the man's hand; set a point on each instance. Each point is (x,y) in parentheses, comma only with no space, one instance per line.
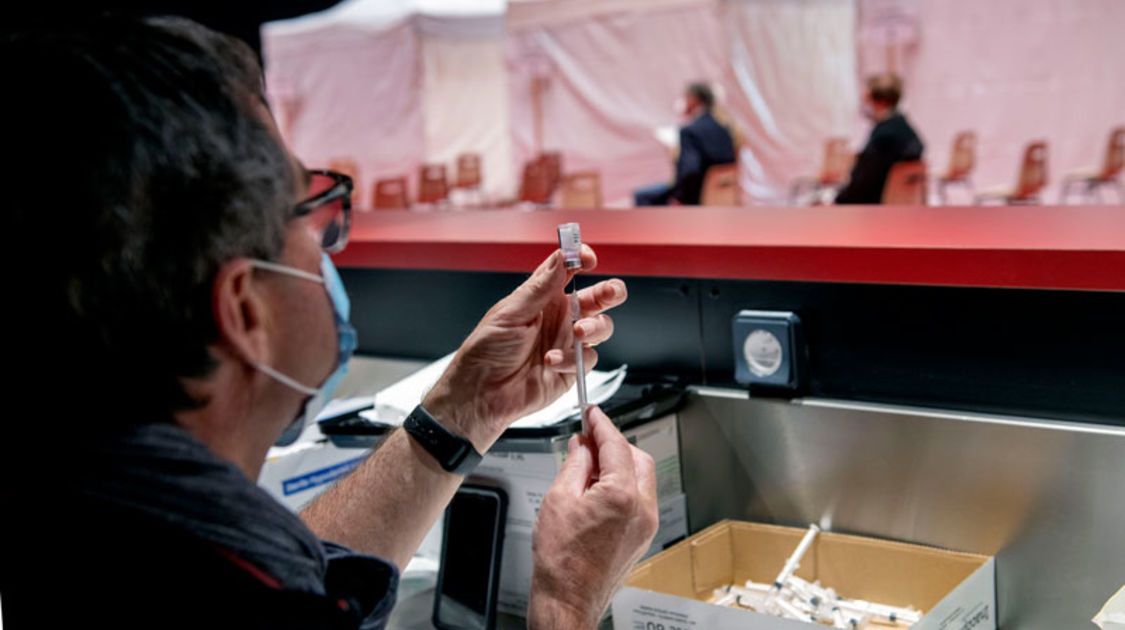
(595,522)
(520,357)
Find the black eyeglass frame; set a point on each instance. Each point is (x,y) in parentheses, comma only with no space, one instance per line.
(341,189)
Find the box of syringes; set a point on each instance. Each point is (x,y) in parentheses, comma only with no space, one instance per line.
(750,576)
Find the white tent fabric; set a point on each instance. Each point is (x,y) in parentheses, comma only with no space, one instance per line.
(1016,71)
(794,86)
(612,78)
(394,83)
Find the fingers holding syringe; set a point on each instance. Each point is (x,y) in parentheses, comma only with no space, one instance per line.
(594,330)
(602,296)
(562,360)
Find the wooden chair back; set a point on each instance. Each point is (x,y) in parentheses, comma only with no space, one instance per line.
(906,184)
(552,162)
(963,158)
(581,190)
(838,160)
(535,185)
(390,194)
(1033,172)
(1114,155)
(433,186)
(721,187)
(468,170)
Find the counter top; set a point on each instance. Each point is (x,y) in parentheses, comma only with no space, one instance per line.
(1043,247)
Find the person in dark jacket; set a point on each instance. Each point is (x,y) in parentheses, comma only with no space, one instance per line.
(704,143)
(178,313)
(892,140)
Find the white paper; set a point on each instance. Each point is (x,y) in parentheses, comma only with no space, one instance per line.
(1112,615)
(394,403)
(341,406)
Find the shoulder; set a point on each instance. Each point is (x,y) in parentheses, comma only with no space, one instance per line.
(141,575)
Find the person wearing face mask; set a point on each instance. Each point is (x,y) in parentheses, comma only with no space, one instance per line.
(704,142)
(892,140)
(179,313)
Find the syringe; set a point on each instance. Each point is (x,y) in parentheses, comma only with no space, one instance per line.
(570,241)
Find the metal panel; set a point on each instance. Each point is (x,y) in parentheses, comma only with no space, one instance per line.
(1046,497)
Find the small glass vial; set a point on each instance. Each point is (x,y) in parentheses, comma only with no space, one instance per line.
(570,241)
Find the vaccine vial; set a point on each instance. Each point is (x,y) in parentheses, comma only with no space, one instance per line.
(570,241)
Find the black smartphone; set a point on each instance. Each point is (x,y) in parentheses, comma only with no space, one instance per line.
(469,576)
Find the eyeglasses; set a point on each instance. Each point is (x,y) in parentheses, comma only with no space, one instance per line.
(328,209)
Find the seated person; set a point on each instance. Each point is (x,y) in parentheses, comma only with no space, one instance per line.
(892,140)
(704,143)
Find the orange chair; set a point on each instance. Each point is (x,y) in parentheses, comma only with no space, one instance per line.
(581,190)
(433,187)
(834,172)
(468,171)
(721,187)
(961,163)
(535,187)
(390,194)
(1032,178)
(906,184)
(1108,175)
(552,161)
(348,167)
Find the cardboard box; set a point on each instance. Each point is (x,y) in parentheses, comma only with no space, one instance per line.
(525,469)
(670,590)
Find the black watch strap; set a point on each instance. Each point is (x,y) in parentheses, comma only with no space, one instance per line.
(454,453)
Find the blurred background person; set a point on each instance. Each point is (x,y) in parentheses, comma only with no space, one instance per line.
(892,140)
(704,142)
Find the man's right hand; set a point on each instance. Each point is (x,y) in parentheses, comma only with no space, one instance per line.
(597,519)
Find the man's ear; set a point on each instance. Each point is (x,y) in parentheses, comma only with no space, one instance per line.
(239,306)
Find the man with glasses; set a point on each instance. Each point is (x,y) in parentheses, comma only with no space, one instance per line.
(177,313)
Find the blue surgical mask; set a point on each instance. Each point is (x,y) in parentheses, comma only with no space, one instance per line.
(345,342)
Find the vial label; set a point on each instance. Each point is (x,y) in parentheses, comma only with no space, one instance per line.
(570,241)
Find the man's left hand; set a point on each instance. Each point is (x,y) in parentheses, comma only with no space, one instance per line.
(520,357)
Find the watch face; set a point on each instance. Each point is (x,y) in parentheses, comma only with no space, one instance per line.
(763,352)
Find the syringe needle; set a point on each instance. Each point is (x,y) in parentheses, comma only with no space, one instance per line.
(579,361)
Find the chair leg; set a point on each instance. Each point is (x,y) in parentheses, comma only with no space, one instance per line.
(941,183)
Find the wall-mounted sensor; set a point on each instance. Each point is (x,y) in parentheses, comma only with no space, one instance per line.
(768,349)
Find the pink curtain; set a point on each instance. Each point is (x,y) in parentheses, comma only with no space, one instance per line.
(1015,71)
(612,79)
(350,92)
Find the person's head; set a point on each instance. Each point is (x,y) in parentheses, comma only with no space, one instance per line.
(698,98)
(145,178)
(883,94)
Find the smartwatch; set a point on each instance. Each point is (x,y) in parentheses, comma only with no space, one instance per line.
(454,453)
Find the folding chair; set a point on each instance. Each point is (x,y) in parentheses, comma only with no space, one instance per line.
(1032,178)
(834,172)
(552,162)
(535,186)
(906,184)
(581,190)
(721,187)
(390,194)
(1108,175)
(961,163)
(433,187)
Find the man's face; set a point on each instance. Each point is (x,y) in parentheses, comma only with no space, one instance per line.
(304,345)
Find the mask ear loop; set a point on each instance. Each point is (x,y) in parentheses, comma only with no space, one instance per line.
(304,389)
(289,271)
